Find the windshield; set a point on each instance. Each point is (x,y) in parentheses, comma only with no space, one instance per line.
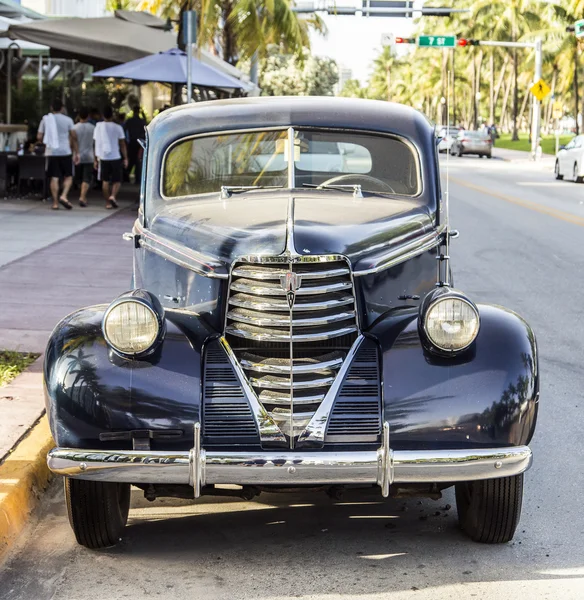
(379,164)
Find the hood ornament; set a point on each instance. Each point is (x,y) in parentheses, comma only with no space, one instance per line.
(291,283)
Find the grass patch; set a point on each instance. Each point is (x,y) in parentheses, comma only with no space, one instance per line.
(548,142)
(13,363)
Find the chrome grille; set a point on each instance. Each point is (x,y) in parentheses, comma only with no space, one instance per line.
(291,352)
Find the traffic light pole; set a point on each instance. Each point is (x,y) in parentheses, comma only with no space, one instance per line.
(536,113)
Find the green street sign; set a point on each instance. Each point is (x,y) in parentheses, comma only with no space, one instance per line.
(437,41)
(579,28)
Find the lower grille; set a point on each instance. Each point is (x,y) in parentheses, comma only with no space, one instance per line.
(290,327)
(227,417)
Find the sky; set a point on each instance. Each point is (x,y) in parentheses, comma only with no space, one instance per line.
(355,41)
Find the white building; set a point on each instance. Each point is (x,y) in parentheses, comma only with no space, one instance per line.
(68,8)
(344,75)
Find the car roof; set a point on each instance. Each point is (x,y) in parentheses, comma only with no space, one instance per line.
(286,111)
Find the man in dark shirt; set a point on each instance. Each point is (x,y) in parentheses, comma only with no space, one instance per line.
(134,127)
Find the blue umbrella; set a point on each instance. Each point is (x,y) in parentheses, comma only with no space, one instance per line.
(171,67)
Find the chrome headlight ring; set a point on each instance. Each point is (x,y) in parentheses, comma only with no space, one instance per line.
(134,324)
(449,322)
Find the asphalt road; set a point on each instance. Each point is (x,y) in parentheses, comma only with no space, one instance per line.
(520,246)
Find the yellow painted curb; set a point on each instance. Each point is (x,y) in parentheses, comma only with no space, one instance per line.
(24,475)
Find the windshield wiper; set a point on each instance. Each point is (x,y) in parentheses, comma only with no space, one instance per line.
(342,187)
(227,190)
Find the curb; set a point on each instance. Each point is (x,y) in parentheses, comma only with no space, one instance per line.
(24,475)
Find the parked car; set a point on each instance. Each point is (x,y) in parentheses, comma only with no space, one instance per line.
(472,142)
(570,160)
(291,327)
(445,136)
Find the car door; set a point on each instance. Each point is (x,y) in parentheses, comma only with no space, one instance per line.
(564,157)
(576,156)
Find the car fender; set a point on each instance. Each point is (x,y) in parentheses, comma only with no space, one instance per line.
(91,391)
(486,397)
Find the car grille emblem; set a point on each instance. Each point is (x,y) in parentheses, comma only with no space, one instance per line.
(290,283)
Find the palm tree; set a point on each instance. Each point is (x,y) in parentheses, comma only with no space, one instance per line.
(242,27)
(509,20)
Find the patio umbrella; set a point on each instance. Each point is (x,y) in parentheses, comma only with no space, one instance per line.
(171,67)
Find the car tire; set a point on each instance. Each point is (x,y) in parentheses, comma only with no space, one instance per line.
(577,178)
(97,510)
(489,509)
(460,152)
(557,170)
(489,155)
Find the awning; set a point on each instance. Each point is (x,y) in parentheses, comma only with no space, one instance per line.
(171,67)
(27,48)
(13,10)
(99,42)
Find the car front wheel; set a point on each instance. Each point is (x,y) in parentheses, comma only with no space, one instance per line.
(577,178)
(557,170)
(98,511)
(489,509)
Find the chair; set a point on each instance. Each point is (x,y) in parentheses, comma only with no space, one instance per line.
(31,166)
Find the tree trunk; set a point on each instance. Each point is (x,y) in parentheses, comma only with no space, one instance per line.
(550,104)
(474,93)
(576,98)
(500,83)
(523,106)
(478,71)
(506,99)
(228,41)
(515,136)
(492,89)
(453,63)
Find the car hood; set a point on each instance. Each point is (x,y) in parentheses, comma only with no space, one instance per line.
(265,223)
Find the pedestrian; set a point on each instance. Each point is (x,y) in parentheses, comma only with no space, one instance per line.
(57,134)
(111,156)
(84,168)
(135,130)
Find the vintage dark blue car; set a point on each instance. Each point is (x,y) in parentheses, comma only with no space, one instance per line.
(293,324)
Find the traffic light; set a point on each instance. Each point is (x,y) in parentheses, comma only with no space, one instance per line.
(401,40)
(466,42)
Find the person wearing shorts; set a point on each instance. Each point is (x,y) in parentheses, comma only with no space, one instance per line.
(84,130)
(57,133)
(111,156)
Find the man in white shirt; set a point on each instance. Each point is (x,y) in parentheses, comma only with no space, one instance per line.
(109,142)
(56,132)
(84,169)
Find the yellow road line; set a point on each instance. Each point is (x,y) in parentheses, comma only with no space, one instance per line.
(544,210)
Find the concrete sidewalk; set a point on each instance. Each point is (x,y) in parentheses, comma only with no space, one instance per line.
(547,160)
(38,289)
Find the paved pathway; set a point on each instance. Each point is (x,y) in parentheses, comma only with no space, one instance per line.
(41,287)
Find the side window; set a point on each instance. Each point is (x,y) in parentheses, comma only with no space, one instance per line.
(578,142)
(571,145)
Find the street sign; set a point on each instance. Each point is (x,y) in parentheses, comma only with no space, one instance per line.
(387,39)
(189,19)
(437,41)
(579,28)
(540,89)
(557,110)
(387,8)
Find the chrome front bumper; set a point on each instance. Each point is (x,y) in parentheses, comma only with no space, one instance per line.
(290,469)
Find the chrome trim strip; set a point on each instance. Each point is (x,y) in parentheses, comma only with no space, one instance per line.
(249,272)
(291,161)
(405,252)
(197,462)
(385,461)
(275,304)
(272,382)
(263,289)
(268,430)
(267,320)
(316,429)
(283,369)
(278,399)
(179,254)
(286,468)
(265,335)
(285,258)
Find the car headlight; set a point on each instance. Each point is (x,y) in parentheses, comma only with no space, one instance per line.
(451,322)
(131,325)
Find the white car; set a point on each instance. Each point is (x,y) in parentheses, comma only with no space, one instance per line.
(570,160)
(446,135)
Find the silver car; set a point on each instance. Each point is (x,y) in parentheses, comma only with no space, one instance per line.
(472,142)
(446,136)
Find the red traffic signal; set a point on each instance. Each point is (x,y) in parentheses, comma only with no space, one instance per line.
(401,40)
(466,42)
